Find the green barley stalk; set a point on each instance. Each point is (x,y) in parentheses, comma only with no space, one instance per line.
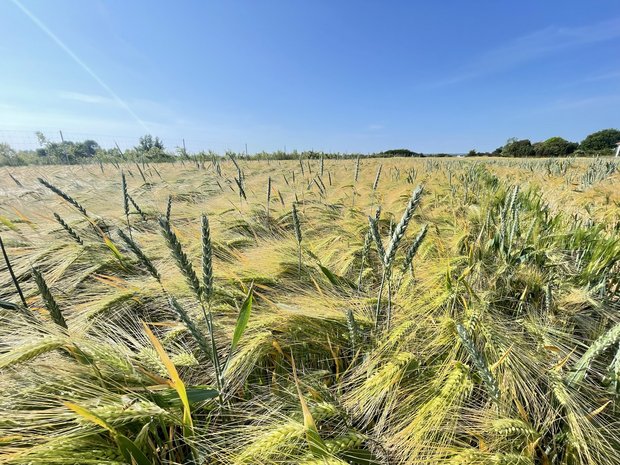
(185,266)
(69,229)
(48,299)
(66,197)
(297,227)
(146,262)
(357,169)
(12,273)
(322,165)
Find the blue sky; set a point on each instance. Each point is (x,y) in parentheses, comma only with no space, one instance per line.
(334,75)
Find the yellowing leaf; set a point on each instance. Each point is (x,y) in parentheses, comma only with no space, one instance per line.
(88,415)
(176,381)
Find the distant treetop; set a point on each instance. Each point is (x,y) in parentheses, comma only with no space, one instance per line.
(601,140)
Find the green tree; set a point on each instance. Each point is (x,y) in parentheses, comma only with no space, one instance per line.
(518,148)
(601,140)
(148,143)
(555,147)
(86,149)
(400,153)
(151,147)
(6,151)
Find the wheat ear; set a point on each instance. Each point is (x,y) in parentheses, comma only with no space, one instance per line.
(48,299)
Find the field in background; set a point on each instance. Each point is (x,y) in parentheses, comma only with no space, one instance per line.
(494,341)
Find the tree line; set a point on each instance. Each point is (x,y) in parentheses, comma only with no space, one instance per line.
(598,143)
(152,149)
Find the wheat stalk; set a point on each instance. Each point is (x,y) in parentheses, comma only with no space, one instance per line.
(146,262)
(268,196)
(48,299)
(377,176)
(191,326)
(297,228)
(169,207)
(207,258)
(125,200)
(368,238)
(137,207)
(374,231)
(69,229)
(601,344)
(12,273)
(65,196)
(478,360)
(401,227)
(181,259)
(412,251)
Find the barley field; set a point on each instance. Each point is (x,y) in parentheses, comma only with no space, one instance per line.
(373,311)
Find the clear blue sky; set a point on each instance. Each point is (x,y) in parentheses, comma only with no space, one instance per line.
(329,75)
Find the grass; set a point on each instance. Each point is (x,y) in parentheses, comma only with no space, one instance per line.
(173,316)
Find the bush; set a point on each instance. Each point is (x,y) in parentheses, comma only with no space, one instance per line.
(555,147)
(518,148)
(601,140)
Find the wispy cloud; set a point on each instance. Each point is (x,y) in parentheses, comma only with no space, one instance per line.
(533,46)
(88,98)
(79,61)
